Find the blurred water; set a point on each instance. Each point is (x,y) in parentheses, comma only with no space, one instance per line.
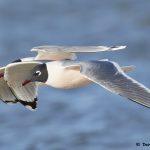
(88,118)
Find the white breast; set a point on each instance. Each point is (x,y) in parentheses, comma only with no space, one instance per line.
(59,77)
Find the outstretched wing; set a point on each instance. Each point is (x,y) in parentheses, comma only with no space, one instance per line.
(110,76)
(15,74)
(76,66)
(6,94)
(68,52)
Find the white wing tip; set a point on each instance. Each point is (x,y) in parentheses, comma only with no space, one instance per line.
(114,48)
(30,108)
(33,50)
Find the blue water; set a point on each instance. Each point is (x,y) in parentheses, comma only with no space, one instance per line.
(88,118)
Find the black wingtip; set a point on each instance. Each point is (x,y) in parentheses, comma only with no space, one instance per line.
(11,102)
(144,105)
(18,60)
(30,105)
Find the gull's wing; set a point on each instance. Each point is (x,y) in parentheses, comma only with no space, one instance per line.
(68,52)
(125,69)
(15,74)
(110,76)
(6,94)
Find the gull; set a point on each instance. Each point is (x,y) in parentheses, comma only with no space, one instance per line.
(58,67)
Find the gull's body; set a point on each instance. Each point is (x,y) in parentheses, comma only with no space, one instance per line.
(63,78)
(62,70)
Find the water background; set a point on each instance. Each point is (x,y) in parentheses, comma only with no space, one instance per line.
(88,118)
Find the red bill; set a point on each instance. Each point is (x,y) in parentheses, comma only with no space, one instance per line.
(26,82)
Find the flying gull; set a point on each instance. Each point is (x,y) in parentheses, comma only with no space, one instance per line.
(58,67)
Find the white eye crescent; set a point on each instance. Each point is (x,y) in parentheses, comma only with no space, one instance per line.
(38,73)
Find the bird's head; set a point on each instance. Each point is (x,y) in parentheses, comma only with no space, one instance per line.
(38,74)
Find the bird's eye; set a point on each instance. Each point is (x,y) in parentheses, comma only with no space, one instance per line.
(38,73)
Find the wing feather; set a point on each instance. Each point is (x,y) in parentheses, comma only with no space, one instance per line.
(76,49)
(68,52)
(15,74)
(110,76)
(6,94)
